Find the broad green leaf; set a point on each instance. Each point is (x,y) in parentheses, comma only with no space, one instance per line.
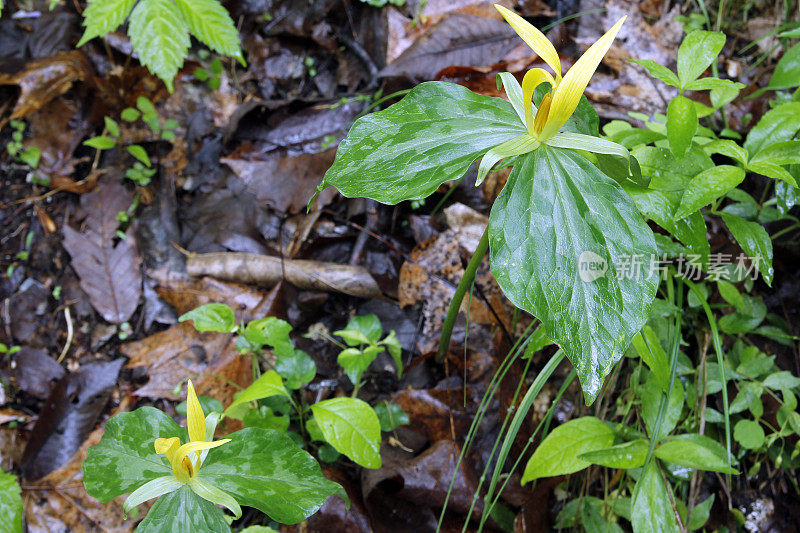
(559,452)
(749,434)
(659,71)
(269,384)
(556,215)
(130,114)
(635,137)
(626,455)
(271,331)
(771,170)
(755,242)
(355,361)
(390,415)
(593,518)
(111,126)
(364,329)
(652,353)
(699,515)
(101,142)
(709,84)
(139,153)
(10,504)
(395,350)
(103,16)
(780,153)
(754,363)
(782,380)
(695,451)
(777,125)
(209,21)
(749,397)
(681,124)
(697,51)
(787,71)
(727,148)
(707,186)
(749,318)
(297,369)
(211,317)
(265,418)
(264,469)
(651,395)
(126,449)
(152,489)
(731,294)
(159,36)
(431,136)
(183,511)
(652,511)
(352,427)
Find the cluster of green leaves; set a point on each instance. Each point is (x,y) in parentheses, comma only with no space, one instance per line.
(159,30)
(10,503)
(142,171)
(30,155)
(211,74)
(276,399)
(260,468)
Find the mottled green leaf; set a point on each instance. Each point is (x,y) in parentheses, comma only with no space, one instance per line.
(431,136)
(559,452)
(211,317)
(159,36)
(183,511)
(264,469)
(126,450)
(559,214)
(352,427)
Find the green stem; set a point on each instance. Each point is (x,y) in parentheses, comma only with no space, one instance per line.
(458,297)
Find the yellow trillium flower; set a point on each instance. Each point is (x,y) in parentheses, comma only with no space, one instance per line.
(543,124)
(559,104)
(180,456)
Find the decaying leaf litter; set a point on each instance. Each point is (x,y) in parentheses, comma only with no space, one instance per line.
(93,301)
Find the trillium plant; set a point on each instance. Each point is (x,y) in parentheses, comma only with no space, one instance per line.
(562,210)
(144,453)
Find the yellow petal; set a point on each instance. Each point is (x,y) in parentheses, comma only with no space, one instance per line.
(535,39)
(195,419)
(532,79)
(194,446)
(167,446)
(569,91)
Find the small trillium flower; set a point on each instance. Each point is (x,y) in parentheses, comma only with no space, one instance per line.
(558,105)
(186,460)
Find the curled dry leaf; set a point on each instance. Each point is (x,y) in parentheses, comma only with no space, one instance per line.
(267,270)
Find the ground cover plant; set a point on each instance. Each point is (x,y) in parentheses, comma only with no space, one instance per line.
(459,287)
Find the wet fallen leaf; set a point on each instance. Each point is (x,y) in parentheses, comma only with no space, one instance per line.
(437,412)
(45,78)
(110,274)
(334,515)
(285,182)
(34,371)
(68,416)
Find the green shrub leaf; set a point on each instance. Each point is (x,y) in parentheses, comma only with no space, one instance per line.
(695,451)
(681,124)
(210,22)
(269,384)
(652,511)
(352,427)
(559,452)
(749,434)
(787,71)
(697,51)
(626,455)
(777,125)
(755,242)
(159,35)
(10,504)
(390,415)
(543,230)
(103,16)
(211,317)
(659,71)
(707,186)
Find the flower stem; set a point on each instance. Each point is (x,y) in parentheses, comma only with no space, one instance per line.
(461,290)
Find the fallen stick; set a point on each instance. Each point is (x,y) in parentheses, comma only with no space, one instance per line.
(267,271)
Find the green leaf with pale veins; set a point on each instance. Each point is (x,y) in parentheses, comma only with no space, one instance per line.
(263,468)
(431,136)
(210,22)
(160,37)
(697,51)
(183,511)
(352,427)
(559,453)
(707,187)
(10,504)
(125,459)
(103,16)
(556,214)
